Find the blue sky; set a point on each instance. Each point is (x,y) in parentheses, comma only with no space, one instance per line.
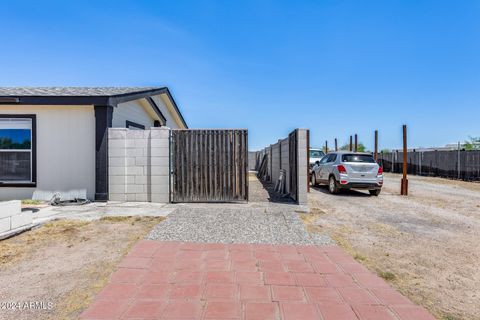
(336,67)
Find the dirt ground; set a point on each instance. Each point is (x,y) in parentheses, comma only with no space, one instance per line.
(54,272)
(427,244)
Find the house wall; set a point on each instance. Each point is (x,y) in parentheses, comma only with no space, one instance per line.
(139,111)
(65,150)
(173,120)
(139,164)
(135,111)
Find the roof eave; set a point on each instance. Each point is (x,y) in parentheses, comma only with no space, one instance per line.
(112,100)
(167,92)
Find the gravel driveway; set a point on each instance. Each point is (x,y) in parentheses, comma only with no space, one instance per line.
(259,221)
(429,240)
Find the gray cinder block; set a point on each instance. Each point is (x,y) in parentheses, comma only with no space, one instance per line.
(159,143)
(134,171)
(117,133)
(5,225)
(10,208)
(21,220)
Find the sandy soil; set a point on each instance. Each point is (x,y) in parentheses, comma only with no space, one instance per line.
(60,266)
(426,244)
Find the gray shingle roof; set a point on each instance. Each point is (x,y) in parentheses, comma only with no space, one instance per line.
(98,96)
(70,91)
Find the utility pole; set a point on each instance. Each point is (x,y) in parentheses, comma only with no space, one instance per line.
(351,145)
(375,152)
(336,145)
(356,142)
(326,146)
(404,186)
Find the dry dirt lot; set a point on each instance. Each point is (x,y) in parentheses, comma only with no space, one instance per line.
(63,264)
(426,244)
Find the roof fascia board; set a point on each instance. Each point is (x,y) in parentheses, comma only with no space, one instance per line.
(93,100)
(169,95)
(157,110)
(58,100)
(114,100)
(81,100)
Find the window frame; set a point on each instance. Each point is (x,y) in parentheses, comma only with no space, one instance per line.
(324,160)
(130,124)
(330,158)
(33,182)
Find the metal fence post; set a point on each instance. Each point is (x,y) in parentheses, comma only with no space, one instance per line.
(404,186)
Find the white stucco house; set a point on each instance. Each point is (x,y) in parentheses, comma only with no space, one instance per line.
(55,139)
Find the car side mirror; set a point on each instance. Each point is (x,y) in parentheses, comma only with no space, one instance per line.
(317,162)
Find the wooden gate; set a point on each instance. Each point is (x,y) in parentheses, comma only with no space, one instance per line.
(209,165)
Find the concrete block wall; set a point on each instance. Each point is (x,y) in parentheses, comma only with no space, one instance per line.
(12,217)
(139,164)
(302,170)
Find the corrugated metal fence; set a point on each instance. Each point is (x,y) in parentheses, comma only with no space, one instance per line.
(455,164)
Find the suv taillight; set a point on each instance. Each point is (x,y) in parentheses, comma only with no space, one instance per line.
(380,171)
(341,169)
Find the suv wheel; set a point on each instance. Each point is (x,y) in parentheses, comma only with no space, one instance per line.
(332,185)
(375,192)
(313,179)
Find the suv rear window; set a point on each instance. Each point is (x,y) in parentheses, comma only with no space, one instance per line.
(357,158)
(316,154)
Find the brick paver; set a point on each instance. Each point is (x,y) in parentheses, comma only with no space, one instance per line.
(173,280)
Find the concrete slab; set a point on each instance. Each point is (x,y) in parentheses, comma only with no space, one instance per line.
(97,210)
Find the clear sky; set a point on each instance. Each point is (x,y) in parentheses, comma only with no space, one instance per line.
(336,67)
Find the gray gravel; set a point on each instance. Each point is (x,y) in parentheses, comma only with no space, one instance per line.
(259,221)
(242,224)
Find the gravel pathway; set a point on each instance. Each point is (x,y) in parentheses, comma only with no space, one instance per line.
(242,224)
(256,222)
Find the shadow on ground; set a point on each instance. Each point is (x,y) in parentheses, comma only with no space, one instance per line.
(274,196)
(342,193)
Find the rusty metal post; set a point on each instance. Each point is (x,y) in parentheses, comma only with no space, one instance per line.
(356,142)
(351,144)
(336,145)
(375,152)
(404,185)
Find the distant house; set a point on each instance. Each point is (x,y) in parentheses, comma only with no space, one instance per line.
(55,139)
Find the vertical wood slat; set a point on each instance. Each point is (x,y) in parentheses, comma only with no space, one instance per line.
(209,165)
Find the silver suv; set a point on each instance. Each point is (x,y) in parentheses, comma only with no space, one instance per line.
(348,170)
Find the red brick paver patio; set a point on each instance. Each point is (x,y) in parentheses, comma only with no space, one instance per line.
(173,280)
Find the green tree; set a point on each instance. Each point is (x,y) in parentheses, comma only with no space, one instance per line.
(360,147)
(472,144)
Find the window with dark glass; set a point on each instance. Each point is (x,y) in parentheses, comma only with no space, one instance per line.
(357,158)
(16,149)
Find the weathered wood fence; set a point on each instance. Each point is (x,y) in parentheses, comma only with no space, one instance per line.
(290,155)
(454,164)
(209,165)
